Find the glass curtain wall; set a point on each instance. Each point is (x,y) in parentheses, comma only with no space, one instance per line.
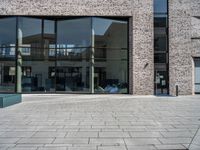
(73,54)
(63,54)
(161,63)
(110,55)
(7,54)
(36,43)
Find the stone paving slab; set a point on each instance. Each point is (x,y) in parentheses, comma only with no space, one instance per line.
(195,145)
(101,122)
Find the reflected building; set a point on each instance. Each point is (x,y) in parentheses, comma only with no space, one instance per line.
(58,54)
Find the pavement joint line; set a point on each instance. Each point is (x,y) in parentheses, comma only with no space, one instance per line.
(196,133)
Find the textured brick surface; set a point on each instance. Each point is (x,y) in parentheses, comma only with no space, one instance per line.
(184,25)
(140,31)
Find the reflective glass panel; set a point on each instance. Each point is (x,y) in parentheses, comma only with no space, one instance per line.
(111,77)
(7,32)
(38,54)
(160,42)
(160,21)
(111,54)
(160,6)
(72,77)
(73,33)
(29,32)
(7,54)
(110,33)
(160,58)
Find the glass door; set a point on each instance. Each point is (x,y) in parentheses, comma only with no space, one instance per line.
(161,83)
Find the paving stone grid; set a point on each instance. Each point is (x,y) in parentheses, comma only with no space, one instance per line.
(101,122)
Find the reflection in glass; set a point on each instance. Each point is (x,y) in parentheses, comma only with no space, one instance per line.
(7,54)
(35,76)
(36,53)
(161,82)
(110,33)
(110,74)
(7,32)
(73,54)
(70,79)
(63,54)
(49,37)
(160,58)
(29,32)
(160,6)
(74,33)
(7,76)
(111,79)
(160,21)
(160,42)
(161,79)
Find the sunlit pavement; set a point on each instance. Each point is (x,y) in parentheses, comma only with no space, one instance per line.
(101,122)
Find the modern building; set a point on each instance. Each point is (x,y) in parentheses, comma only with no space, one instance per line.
(139,47)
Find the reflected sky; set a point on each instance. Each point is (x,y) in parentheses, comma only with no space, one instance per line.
(101,25)
(160,6)
(7,31)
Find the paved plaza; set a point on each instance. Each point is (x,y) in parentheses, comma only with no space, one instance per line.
(101,122)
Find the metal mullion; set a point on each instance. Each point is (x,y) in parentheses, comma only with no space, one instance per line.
(16,53)
(55,68)
(167,28)
(92,56)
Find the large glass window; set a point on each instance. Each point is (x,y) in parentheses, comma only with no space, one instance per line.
(37,46)
(63,54)
(7,54)
(110,42)
(73,54)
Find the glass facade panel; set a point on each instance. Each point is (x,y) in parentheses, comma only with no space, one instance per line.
(37,75)
(63,54)
(111,79)
(7,54)
(49,37)
(160,6)
(160,42)
(110,33)
(160,21)
(37,44)
(72,78)
(160,58)
(29,32)
(74,33)
(7,32)
(110,38)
